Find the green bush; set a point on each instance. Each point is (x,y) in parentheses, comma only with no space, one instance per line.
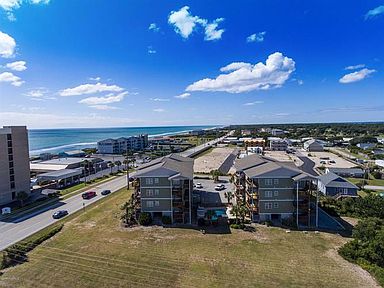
(237,226)
(17,253)
(166,220)
(289,222)
(145,218)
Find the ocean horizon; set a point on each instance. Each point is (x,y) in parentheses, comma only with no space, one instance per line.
(66,139)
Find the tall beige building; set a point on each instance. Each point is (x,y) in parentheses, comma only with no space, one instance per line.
(14,162)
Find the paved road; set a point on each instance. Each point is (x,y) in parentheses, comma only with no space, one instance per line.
(18,229)
(228,163)
(373,187)
(307,165)
(191,152)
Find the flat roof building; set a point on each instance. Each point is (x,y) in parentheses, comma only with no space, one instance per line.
(14,162)
(123,144)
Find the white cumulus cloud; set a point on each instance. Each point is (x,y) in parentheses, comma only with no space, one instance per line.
(159,110)
(356,76)
(154,27)
(17,66)
(103,107)
(10,5)
(90,89)
(183,96)
(245,77)
(9,77)
(184,23)
(110,98)
(159,99)
(256,37)
(7,45)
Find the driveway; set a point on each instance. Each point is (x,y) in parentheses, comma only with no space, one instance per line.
(211,197)
(307,165)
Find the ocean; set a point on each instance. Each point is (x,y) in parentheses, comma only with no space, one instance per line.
(60,140)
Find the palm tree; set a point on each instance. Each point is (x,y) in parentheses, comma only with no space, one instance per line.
(235,211)
(111,165)
(127,161)
(22,196)
(85,165)
(118,164)
(215,175)
(229,195)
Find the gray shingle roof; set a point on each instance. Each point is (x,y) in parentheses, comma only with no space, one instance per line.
(332,180)
(255,166)
(168,166)
(346,170)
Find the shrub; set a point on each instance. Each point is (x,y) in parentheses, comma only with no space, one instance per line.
(166,220)
(145,218)
(237,226)
(289,222)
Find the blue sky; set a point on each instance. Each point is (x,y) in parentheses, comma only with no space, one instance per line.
(94,63)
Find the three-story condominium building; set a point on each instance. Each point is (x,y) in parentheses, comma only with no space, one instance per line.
(275,190)
(165,188)
(14,163)
(123,144)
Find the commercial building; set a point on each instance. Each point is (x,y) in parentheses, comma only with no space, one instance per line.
(313,146)
(274,190)
(346,172)
(165,188)
(93,165)
(123,144)
(277,144)
(14,163)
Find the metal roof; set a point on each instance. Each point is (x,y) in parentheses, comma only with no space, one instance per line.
(60,174)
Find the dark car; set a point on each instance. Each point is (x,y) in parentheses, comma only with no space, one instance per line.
(88,195)
(131,179)
(59,214)
(105,192)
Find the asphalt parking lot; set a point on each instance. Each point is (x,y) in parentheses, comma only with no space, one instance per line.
(211,197)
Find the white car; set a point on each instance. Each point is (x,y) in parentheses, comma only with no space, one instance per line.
(220,187)
(199,186)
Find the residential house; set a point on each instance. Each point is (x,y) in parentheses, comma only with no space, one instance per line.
(335,186)
(275,190)
(347,172)
(366,146)
(165,187)
(313,146)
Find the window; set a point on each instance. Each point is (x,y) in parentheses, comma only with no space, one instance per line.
(10,151)
(148,181)
(157,203)
(9,137)
(149,204)
(276,205)
(13,185)
(156,180)
(268,182)
(275,193)
(13,195)
(276,181)
(10,158)
(268,205)
(157,192)
(149,192)
(12,178)
(268,194)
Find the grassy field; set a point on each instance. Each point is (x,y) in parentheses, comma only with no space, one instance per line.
(93,250)
(374,182)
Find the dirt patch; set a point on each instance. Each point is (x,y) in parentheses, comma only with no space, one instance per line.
(212,160)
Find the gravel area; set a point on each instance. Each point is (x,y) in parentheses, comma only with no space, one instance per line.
(212,160)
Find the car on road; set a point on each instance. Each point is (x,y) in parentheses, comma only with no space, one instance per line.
(59,214)
(199,186)
(88,195)
(220,187)
(105,192)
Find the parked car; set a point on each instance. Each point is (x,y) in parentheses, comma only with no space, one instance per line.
(332,161)
(199,186)
(131,179)
(59,214)
(88,195)
(105,192)
(220,187)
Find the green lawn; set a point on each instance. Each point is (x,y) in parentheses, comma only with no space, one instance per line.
(93,250)
(374,182)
